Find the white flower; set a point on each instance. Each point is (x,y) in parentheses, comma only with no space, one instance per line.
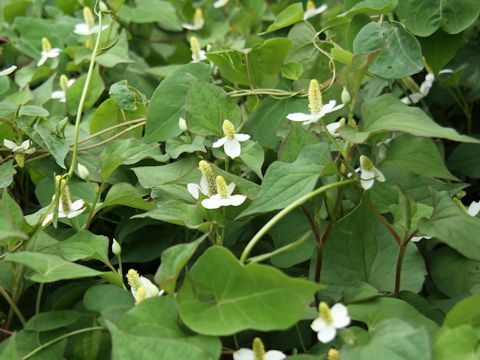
(329,321)
(23,148)
(418,238)
(474,208)
(369,173)
(140,287)
(316,107)
(223,196)
(312,10)
(198,21)
(88,27)
(231,140)
(197,53)
(258,353)
(425,87)
(66,208)
(182,124)
(65,83)
(8,70)
(48,52)
(220,3)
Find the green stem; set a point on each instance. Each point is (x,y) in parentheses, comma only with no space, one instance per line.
(39,298)
(94,204)
(64,336)
(251,244)
(82,99)
(13,306)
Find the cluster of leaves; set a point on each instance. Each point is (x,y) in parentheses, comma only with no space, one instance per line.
(112,154)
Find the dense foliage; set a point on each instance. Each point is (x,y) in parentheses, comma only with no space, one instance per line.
(239,179)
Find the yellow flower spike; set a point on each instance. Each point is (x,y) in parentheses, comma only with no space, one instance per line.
(333,354)
(228,129)
(88,17)
(207,172)
(258,349)
(195,48)
(311,6)
(64,82)
(140,295)
(20,159)
(314,97)
(198,17)
(46,46)
(324,312)
(133,279)
(222,188)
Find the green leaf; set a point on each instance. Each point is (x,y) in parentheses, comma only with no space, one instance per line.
(149,11)
(85,245)
(418,155)
(177,146)
(175,212)
(74,92)
(464,312)
(151,331)
(386,113)
(289,16)
(465,160)
(352,75)
(439,48)
(125,194)
(50,268)
(117,54)
(12,224)
(240,297)
(155,176)
(445,263)
(253,156)
(370,256)
(394,340)
(33,110)
(425,17)
(287,182)
(292,70)
(460,342)
(453,226)
(169,101)
(370,6)
(109,300)
(400,53)
(6,174)
(51,320)
(172,263)
(375,311)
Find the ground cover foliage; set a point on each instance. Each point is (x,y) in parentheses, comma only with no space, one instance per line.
(239,179)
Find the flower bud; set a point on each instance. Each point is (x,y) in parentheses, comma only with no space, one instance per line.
(83,172)
(333,354)
(182,124)
(102,7)
(346,98)
(116,248)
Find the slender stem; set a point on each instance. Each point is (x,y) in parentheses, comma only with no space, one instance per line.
(300,338)
(13,306)
(39,298)
(83,98)
(103,131)
(313,226)
(385,223)
(251,244)
(401,255)
(64,336)
(94,204)
(110,138)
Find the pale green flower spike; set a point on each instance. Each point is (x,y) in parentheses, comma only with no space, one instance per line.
(88,27)
(315,105)
(197,53)
(369,173)
(65,83)
(258,352)
(224,196)
(140,287)
(198,21)
(329,321)
(312,10)
(333,354)
(231,140)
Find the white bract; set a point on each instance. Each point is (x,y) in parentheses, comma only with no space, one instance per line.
(312,10)
(425,87)
(65,83)
(197,53)
(207,186)
(140,287)
(48,52)
(182,124)
(258,353)
(88,27)
(223,196)
(474,208)
(198,21)
(23,148)
(315,105)
(369,173)
(231,140)
(8,70)
(220,3)
(329,321)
